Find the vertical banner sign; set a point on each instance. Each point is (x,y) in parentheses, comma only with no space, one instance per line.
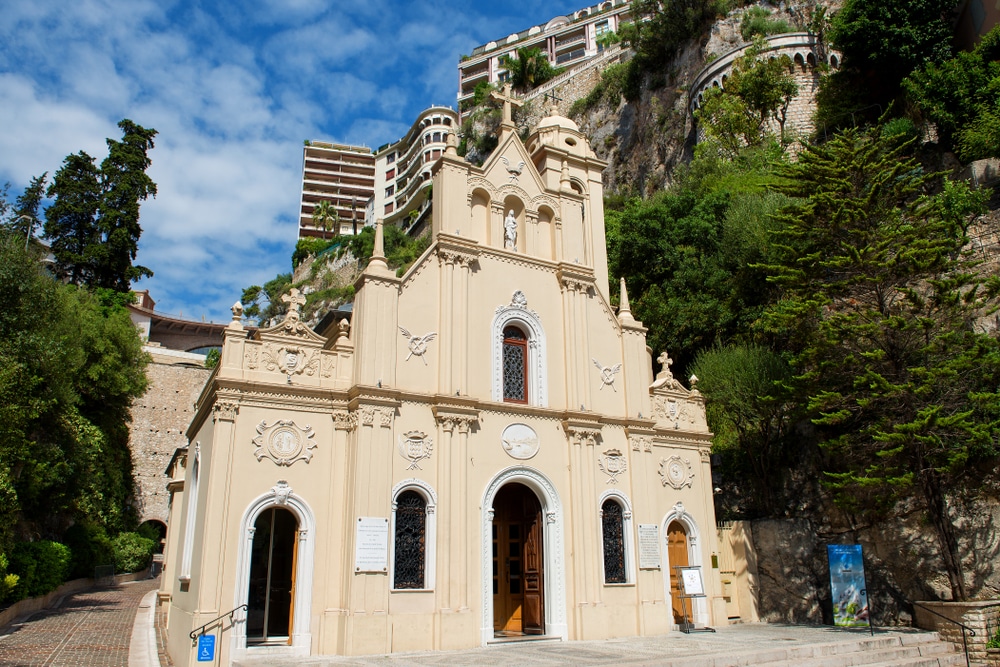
(847,583)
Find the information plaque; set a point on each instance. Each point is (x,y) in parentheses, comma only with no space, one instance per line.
(649,546)
(371,545)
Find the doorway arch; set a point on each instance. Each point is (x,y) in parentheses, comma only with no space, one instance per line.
(280,497)
(680,517)
(551,530)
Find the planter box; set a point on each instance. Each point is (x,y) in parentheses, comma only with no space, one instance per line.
(973,614)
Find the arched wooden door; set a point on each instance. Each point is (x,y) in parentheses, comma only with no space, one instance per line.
(272,577)
(677,555)
(518,600)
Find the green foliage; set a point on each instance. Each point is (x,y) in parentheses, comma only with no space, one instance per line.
(757,93)
(751,418)
(265,302)
(324,217)
(530,69)
(901,129)
(877,312)
(481,93)
(212,357)
(70,366)
(41,567)
(132,552)
(8,582)
(93,224)
(687,254)
(994,641)
(90,546)
(610,88)
(961,96)
(757,22)
(401,250)
(24,214)
(659,29)
(307,247)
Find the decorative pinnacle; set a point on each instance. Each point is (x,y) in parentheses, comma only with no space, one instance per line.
(624,311)
(378,254)
(295,301)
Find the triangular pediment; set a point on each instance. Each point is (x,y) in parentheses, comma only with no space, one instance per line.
(510,164)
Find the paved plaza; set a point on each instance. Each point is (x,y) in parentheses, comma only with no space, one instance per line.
(89,629)
(121,627)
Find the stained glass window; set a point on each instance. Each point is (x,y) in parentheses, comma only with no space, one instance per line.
(411,539)
(515,358)
(614,542)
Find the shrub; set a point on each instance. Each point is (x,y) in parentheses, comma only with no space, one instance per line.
(90,547)
(8,582)
(41,566)
(902,128)
(132,552)
(758,21)
(310,246)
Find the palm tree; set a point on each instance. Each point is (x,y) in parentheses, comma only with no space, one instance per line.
(325,216)
(531,68)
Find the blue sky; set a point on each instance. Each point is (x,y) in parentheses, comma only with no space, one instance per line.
(233,89)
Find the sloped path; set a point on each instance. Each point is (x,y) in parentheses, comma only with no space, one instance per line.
(89,629)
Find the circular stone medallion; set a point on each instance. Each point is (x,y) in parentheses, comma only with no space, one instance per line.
(284,443)
(520,441)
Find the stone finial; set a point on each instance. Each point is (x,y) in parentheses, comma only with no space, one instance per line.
(343,331)
(624,311)
(509,102)
(451,144)
(564,181)
(378,254)
(237,310)
(554,109)
(665,362)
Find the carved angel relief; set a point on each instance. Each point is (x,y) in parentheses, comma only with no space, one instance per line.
(284,442)
(418,344)
(608,374)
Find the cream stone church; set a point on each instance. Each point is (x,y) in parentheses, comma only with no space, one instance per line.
(482,454)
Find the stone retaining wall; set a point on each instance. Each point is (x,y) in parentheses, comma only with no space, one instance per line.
(30,606)
(981,617)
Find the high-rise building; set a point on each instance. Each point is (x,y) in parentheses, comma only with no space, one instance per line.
(341,174)
(567,41)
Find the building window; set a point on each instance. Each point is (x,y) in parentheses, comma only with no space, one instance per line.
(389,207)
(515,360)
(613,529)
(602,28)
(390,174)
(437,138)
(518,319)
(391,158)
(410,541)
(390,191)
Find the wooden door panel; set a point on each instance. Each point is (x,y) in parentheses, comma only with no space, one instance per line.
(677,554)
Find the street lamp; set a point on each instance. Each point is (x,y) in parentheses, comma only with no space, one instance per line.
(27,237)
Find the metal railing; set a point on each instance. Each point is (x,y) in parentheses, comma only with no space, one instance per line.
(965,642)
(200,631)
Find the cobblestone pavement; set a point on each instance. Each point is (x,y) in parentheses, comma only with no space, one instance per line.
(89,629)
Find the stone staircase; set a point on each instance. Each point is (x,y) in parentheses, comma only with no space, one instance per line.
(921,649)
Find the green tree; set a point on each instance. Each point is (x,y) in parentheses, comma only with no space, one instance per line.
(757,93)
(124,185)
(325,216)
(877,315)
(24,216)
(530,69)
(265,302)
(961,96)
(71,220)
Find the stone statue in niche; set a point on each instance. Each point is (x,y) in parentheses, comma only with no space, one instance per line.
(510,231)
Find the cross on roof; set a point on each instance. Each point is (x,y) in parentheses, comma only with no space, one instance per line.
(509,101)
(665,361)
(294,299)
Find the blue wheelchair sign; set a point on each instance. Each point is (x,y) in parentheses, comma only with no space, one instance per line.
(206,648)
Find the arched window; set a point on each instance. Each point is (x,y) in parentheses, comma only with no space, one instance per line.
(515,360)
(613,531)
(411,541)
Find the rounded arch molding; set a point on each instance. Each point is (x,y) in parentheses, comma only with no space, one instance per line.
(520,314)
(498,194)
(679,514)
(552,545)
(280,495)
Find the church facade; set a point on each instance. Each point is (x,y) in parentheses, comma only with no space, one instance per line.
(483,453)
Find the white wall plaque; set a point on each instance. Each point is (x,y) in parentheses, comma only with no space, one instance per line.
(520,441)
(371,545)
(649,546)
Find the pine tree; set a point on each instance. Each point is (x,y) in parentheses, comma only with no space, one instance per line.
(24,216)
(879,308)
(71,220)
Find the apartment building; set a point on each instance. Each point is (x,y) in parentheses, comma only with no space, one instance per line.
(403,169)
(567,41)
(341,174)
